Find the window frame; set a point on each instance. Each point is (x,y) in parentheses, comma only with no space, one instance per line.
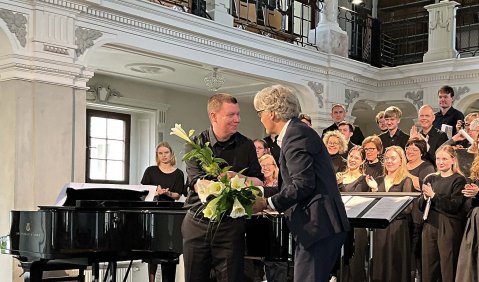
(110,115)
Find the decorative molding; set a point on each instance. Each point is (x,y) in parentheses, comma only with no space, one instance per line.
(318,89)
(438,21)
(17,24)
(416,97)
(459,91)
(55,49)
(178,35)
(350,96)
(85,39)
(101,93)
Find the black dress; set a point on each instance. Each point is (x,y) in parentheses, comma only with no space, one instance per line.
(443,228)
(421,171)
(375,169)
(339,163)
(356,250)
(391,246)
(175,181)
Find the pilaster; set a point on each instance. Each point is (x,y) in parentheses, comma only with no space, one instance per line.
(442,31)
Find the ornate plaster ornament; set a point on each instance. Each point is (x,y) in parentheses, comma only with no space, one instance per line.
(318,89)
(17,24)
(350,96)
(416,97)
(85,39)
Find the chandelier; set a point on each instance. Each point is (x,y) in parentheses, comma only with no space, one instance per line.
(214,80)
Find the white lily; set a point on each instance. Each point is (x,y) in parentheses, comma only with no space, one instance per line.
(215,188)
(237,210)
(180,132)
(203,192)
(237,182)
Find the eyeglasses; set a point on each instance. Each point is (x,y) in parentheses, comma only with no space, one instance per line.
(410,149)
(369,149)
(259,112)
(332,143)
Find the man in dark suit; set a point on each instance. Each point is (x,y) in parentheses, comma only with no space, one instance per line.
(309,196)
(434,137)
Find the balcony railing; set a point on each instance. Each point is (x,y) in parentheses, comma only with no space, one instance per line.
(393,42)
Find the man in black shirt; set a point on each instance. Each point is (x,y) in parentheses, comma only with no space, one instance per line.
(338,113)
(218,247)
(447,114)
(394,136)
(434,137)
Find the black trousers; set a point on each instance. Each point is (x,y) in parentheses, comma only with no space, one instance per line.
(212,247)
(316,262)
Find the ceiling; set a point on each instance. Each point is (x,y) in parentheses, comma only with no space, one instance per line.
(171,73)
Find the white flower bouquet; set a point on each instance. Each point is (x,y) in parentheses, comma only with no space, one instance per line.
(231,196)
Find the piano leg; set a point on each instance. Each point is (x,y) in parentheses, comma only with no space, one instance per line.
(33,271)
(95,271)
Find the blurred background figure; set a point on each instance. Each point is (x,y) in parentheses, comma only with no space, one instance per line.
(381,122)
(170,182)
(262,148)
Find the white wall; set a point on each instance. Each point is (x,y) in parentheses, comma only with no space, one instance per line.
(187,109)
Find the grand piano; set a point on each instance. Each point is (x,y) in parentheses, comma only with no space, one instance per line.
(92,224)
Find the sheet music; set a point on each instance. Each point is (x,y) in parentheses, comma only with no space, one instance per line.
(346,199)
(356,205)
(386,207)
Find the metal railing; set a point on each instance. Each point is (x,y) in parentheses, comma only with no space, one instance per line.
(467,31)
(392,42)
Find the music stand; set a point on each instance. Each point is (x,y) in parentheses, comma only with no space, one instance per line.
(375,210)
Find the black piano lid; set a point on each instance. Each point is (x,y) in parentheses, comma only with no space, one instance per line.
(118,205)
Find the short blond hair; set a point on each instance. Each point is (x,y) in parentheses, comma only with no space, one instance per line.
(216,101)
(343,144)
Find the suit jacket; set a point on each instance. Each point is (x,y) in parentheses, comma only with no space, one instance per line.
(309,195)
(435,140)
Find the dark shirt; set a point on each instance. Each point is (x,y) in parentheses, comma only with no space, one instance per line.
(450,118)
(357,137)
(448,198)
(339,163)
(398,139)
(422,170)
(239,152)
(175,181)
(358,185)
(435,139)
(375,170)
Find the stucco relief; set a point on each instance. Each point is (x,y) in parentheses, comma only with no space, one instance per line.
(350,96)
(438,21)
(17,24)
(84,39)
(459,91)
(416,97)
(318,89)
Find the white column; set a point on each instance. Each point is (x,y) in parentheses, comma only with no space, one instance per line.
(328,36)
(442,31)
(218,10)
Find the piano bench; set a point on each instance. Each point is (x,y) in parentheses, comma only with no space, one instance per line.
(58,266)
